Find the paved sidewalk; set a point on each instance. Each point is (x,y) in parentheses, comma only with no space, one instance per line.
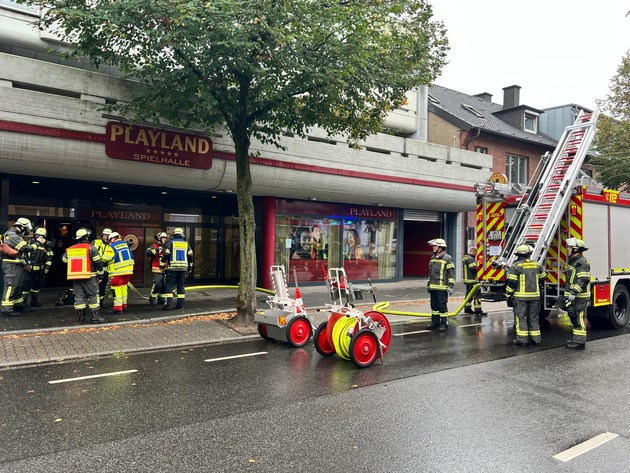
(51,334)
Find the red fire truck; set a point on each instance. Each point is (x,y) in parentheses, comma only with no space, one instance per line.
(560,204)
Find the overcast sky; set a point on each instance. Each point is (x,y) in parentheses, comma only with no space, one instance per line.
(558,51)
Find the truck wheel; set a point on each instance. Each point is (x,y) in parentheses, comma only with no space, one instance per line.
(320,339)
(620,309)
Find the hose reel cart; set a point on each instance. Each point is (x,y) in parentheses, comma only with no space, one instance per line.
(286,319)
(353,335)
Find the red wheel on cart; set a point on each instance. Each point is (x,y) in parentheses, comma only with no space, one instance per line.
(364,348)
(298,331)
(380,319)
(320,339)
(262,331)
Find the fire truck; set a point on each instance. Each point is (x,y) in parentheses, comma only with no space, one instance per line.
(560,203)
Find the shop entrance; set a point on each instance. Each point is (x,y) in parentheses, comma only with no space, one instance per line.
(417,252)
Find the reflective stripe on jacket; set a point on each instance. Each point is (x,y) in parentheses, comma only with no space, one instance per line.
(441,272)
(119,259)
(178,255)
(578,277)
(523,279)
(470,269)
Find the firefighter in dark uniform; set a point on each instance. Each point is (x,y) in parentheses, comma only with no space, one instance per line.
(13,268)
(523,294)
(473,306)
(577,292)
(85,268)
(41,261)
(101,245)
(177,262)
(155,253)
(440,284)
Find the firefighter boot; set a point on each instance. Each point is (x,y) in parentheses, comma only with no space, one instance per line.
(480,313)
(468,310)
(153,300)
(435,322)
(35,300)
(168,305)
(81,316)
(96,317)
(180,303)
(571,345)
(443,324)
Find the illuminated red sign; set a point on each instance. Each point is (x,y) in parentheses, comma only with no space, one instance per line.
(157,146)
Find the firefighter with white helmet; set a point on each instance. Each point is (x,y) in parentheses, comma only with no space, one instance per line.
(120,262)
(523,294)
(101,246)
(41,261)
(13,269)
(577,291)
(85,268)
(440,284)
(155,253)
(177,262)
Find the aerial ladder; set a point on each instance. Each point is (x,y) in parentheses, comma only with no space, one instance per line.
(541,209)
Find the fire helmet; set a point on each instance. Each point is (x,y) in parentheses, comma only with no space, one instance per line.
(576,243)
(25,225)
(523,250)
(82,234)
(106,231)
(161,235)
(113,235)
(178,231)
(40,231)
(438,242)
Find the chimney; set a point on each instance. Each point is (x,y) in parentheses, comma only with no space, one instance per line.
(511,96)
(484,96)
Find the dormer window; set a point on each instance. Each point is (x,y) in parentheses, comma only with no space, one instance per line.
(473,110)
(531,122)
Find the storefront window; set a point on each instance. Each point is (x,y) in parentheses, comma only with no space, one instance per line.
(362,240)
(306,244)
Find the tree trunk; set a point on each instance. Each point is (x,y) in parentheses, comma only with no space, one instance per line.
(246,297)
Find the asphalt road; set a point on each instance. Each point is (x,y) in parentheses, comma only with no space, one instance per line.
(461,401)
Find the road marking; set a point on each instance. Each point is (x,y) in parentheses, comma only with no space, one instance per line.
(115,373)
(209,360)
(584,447)
(472,325)
(410,333)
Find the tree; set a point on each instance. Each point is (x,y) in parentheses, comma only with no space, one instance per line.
(258,67)
(612,140)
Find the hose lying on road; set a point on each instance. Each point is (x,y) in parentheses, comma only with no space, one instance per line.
(199,288)
(382,306)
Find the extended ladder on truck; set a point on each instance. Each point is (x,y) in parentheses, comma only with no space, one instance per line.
(538,216)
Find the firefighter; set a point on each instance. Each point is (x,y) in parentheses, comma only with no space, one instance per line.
(440,284)
(120,264)
(470,279)
(155,253)
(577,292)
(41,261)
(177,262)
(13,268)
(85,268)
(101,245)
(523,294)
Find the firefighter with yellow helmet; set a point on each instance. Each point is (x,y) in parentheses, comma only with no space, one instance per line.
(577,291)
(177,262)
(120,264)
(13,268)
(440,284)
(101,245)
(523,294)
(85,268)
(155,253)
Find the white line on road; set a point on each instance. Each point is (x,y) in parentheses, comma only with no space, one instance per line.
(584,447)
(209,360)
(115,373)
(472,325)
(410,333)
